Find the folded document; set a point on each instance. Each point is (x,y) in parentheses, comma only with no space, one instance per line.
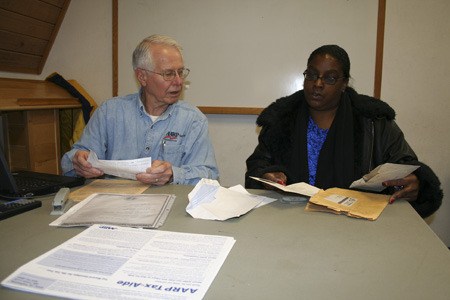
(352,203)
(301,188)
(388,171)
(336,200)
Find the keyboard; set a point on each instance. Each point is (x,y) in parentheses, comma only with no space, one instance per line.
(12,208)
(27,183)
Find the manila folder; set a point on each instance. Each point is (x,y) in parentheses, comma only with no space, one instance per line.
(352,203)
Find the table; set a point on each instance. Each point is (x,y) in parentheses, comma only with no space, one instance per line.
(281,251)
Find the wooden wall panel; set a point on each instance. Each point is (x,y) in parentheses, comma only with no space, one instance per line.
(15,42)
(13,22)
(28,29)
(17,62)
(34,9)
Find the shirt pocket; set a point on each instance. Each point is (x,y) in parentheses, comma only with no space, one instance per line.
(173,154)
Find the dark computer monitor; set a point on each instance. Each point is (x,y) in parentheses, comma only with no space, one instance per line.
(29,184)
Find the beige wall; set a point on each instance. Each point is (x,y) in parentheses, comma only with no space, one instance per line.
(414,83)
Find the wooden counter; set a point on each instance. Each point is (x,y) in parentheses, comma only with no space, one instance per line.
(30,121)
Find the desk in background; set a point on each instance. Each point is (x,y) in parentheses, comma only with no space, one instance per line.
(281,252)
(30,120)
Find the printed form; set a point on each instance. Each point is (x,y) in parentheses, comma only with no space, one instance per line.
(120,168)
(111,262)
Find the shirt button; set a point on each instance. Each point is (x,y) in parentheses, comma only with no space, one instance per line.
(147,148)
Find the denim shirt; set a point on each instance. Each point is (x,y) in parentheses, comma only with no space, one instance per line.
(121,129)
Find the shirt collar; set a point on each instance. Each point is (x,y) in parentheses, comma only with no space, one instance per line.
(143,112)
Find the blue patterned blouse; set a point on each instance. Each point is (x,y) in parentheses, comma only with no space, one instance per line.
(315,138)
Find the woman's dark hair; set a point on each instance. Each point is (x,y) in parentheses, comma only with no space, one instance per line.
(337,52)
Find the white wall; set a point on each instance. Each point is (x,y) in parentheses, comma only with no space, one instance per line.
(414,83)
(249,53)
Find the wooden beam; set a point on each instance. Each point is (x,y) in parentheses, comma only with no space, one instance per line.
(230,110)
(115,47)
(379,48)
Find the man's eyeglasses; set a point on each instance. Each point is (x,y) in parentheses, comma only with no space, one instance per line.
(169,75)
(328,79)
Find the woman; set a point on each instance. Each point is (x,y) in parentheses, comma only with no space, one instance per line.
(329,135)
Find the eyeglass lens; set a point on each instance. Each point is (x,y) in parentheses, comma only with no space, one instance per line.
(170,74)
(328,79)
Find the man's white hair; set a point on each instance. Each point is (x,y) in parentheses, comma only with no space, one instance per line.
(142,55)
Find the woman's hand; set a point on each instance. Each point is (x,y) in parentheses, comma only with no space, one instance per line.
(278,177)
(406,188)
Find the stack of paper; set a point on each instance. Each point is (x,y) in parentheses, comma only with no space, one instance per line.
(144,210)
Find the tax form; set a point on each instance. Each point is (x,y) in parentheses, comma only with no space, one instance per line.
(112,262)
(120,168)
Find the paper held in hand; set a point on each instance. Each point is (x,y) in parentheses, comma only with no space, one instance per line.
(335,200)
(301,188)
(374,180)
(120,168)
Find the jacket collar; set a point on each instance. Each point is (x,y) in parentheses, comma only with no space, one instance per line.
(366,106)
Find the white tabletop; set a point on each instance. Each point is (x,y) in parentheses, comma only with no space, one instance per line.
(281,252)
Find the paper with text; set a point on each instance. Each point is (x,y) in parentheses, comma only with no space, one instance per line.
(120,168)
(388,171)
(111,262)
(143,210)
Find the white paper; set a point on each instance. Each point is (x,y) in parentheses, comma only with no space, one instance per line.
(374,180)
(264,200)
(301,188)
(120,168)
(208,200)
(111,262)
(143,210)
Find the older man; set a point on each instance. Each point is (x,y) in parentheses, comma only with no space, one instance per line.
(150,123)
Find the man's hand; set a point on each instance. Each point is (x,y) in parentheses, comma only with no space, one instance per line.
(83,167)
(160,173)
(406,188)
